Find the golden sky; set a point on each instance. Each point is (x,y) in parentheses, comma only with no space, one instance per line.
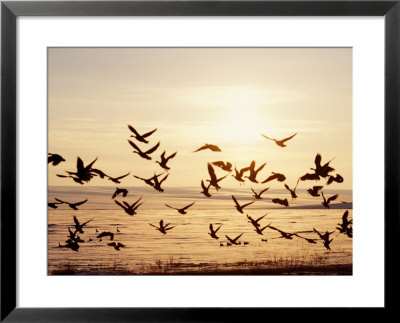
(193,96)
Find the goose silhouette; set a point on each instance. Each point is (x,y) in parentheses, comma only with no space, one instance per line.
(254,172)
(139,137)
(213,177)
(106,234)
(180,210)
(72,205)
(149,181)
(162,228)
(279,177)
(238,206)
(326,202)
(314,190)
(224,166)
(292,192)
(83,173)
(239,174)
(116,180)
(281,202)
(258,195)
(164,160)
(338,179)
(213,233)
(235,240)
(129,208)
(116,245)
(208,146)
(255,222)
(144,154)
(118,191)
(280,143)
(79,226)
(157,183)
(325,238)
(324,170)
(54,159)
(206,189)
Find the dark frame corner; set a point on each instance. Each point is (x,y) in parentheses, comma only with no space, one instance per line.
(10,10)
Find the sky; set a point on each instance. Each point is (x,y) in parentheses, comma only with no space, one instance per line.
(222,96)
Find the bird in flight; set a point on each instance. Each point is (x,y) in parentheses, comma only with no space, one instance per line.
(157,183)
(116,245)
(118,191)
(116,179)
(139,137)
(307,239)
(324,170)
(284,234)
(83,173)
(239,174)
(255,222)
(345,227)
(213,233)
(53,204)
(280,201)
(292,191)
(164,160)
(260,230)
(279,177)
(224,166)
(149,181)
(280,143)
(129,208)
(326,202)
(54,159)
(79,226)
(162,228)
(213,177)
(325,238)
(314,191)
(309,177)
(238,206)
(258,195)
(254,172)
(234,241)
(209,146)
(71,205)
(106,234)
(206,189)
(146,153)
(338,179)
(181,210)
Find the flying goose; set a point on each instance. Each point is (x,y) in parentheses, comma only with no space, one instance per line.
(213,232)
(72,205)
(180,210)
(129,208)
(55,159)
(139,137)
(258,195)
(238,206)
(144,154)
(280,143)
(209,146)
(164,160)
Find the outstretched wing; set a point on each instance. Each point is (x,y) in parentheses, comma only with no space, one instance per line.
(235,200)
(149,133)
(211,172)
(172,156)
(244,205)
(317,160)
(171,206)
(188,206)
(120,177)
(332,198)
(218,229)
(133,130)
(58,200)
(81,202)
(134,146)
(123,206)
(267,137)
(288,138)
(151,150)
(238,237)
(264,190)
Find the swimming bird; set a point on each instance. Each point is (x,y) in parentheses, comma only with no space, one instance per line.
(239,174)
(238,206)
(324,170)
(314,190)
(292,192)
(279,177)
(157,183)
(280,201)
(162,228)
(106,234)
(254,172)
(78,226)
(164,160)
(280,143)
(284,234)
(260,231)
(224,166)
(213,233)
(338,179)
(144,154)
(116,179)
(55,159)
(326,202)
(181,210)
(234,241)
(72,205)
(206,189)
(129,208)
(325,238)
(118,191)
(258,196)
(116,245)
(209,146)
(255,222)
(139,137)
(213,177)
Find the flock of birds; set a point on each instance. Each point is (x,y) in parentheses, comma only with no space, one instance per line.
(83,174)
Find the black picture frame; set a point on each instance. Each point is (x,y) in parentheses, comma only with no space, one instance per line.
(11,10)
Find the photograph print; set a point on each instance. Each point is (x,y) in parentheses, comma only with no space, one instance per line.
(200,161)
